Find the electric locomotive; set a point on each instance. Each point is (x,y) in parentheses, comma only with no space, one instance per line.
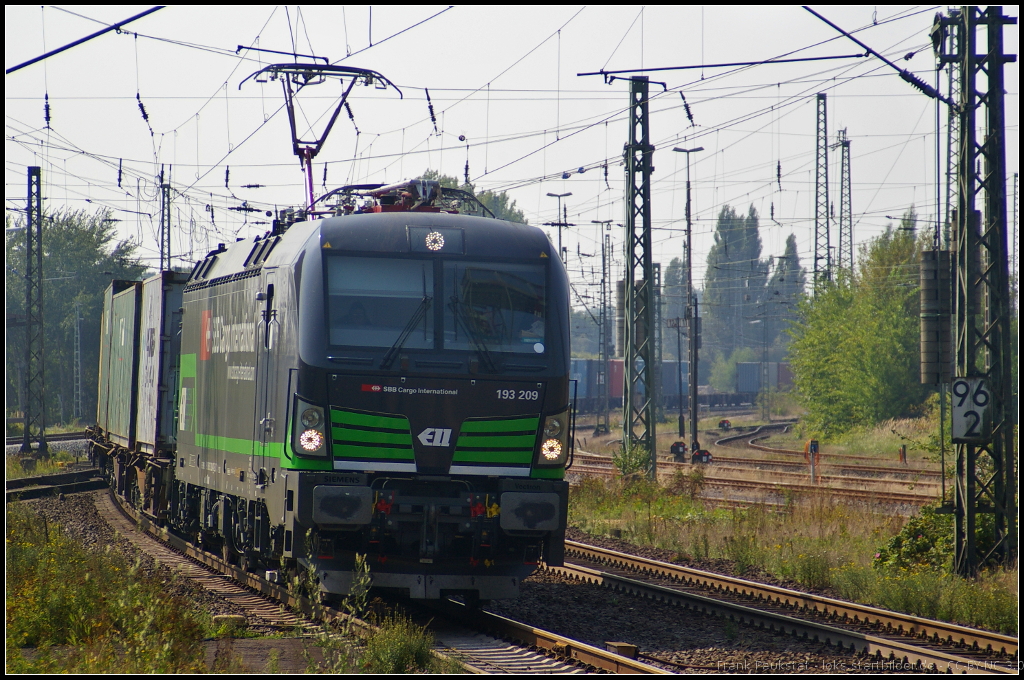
(390,379)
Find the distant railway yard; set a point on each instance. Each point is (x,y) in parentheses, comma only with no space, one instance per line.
(615,605)
(745,472)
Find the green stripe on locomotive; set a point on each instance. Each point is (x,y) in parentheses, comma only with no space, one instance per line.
(357,435)
(487,441)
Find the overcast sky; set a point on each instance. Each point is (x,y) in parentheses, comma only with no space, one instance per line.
(503,77)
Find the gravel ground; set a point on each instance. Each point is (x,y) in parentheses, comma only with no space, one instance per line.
(594,615)
(76,513)
(79,447)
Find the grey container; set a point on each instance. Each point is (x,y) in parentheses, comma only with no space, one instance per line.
(119,362)
(579,371)
(748,377)
(159,349)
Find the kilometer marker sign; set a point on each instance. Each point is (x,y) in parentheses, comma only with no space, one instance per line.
(971,400)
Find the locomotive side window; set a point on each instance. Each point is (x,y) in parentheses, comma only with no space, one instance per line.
(501,306)
(371,300)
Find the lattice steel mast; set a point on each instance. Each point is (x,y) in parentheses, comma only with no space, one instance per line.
(35,396)
(985,469)
(639,377)
(822,255)
(845,255)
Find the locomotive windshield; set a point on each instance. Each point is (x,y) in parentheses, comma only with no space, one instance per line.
(497,307)
(371,300)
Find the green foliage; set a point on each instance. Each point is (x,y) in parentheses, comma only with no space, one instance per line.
(688,484)
(398,646)
(817,542)
(784,290)
(674,291)
(855,349)
(632,460)
(925,541)
(498,203)
(117,618)
(723,370)
(80,257)
(735,280)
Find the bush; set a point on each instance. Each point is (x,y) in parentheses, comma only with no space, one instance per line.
(926,541)
(398,646)
(117,618)
(631,461)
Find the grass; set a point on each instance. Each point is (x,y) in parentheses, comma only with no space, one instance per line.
(90,612)
(394,645)
(72,610)
(56,462)
(818,543)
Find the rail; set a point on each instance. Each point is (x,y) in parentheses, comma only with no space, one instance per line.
(918,641)
(551,643)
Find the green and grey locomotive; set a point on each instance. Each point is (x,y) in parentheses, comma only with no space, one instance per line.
(388,380)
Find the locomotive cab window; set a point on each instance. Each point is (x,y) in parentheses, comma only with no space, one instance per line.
(497,306)
(372,300)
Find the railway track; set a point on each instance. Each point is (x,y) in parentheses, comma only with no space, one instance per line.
(600,466)
(741,465)
(483,642)
(843,469)
(906,642)
(511,647)
(758,434)
(25,488)
(64,437)
(481,639)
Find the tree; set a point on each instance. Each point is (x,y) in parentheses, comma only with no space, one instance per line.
(674,287)
(584,333)
(734,283)
(784,290)
(723,369)
(498,203)
(80,258)
(855,350)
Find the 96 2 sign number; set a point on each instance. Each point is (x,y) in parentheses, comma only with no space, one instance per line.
(971,400)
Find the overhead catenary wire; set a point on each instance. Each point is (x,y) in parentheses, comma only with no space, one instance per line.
(367,156)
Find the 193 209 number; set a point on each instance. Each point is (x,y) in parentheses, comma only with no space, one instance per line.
(518,394)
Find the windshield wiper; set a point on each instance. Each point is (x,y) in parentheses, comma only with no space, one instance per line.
(458,309)
(414,321)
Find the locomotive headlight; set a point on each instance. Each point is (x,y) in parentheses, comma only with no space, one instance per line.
(311,440)
(309,437)
(434,241)
(554,447)
(551,450)
(311,417)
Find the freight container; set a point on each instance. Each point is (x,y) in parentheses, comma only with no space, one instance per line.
(615,378)
(785,378)
(160,343)
(748,377)
(579,370)
(119,361)
(670,378)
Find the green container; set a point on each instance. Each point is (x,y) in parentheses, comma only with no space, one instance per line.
(119,361)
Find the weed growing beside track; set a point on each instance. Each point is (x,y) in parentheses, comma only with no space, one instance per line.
(821,544)
(90,612)
(58,461)
(72,609)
